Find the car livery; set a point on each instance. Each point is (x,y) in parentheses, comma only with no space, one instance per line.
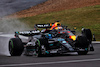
(51,41)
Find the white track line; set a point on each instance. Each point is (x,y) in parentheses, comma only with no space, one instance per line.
(56,62)
(96,42)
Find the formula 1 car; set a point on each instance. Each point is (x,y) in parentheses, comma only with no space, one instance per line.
(49,41)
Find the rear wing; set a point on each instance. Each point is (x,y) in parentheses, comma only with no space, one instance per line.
(42,26)
(33,32)
(27,33)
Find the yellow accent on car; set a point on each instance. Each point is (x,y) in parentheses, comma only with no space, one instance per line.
(73,37)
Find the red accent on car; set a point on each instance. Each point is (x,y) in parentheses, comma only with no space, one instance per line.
(58,32)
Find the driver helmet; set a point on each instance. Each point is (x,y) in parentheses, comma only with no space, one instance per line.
(59,28)
(57,24)
(49,36)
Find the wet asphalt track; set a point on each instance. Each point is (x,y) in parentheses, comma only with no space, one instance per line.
(11,6)
(66,60)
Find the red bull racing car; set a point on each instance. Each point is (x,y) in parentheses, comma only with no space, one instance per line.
(54,39)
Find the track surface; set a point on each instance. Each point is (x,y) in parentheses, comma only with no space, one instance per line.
(70,60)
(12,6)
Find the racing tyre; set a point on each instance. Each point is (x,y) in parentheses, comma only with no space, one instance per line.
(15,47)
(40,48)
(88,34)
(82,43)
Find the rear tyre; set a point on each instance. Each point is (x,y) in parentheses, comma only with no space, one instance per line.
(82,43)
(41,47)
(15,47)
(88,34)
(38,49)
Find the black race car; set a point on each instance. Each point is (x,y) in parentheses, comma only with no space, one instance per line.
(46,42)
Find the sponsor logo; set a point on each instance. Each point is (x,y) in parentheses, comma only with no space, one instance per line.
(29,32)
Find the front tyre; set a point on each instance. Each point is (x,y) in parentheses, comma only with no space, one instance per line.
(15,47)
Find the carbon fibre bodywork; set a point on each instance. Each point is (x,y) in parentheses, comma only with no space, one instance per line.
(54,41)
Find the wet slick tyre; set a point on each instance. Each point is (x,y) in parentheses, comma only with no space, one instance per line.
(88,34)
(38,49)
(82,43)
(15,47)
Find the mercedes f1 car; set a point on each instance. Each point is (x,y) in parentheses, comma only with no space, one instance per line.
(51,41)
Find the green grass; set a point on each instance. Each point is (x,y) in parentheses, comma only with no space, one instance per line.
(88,17)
